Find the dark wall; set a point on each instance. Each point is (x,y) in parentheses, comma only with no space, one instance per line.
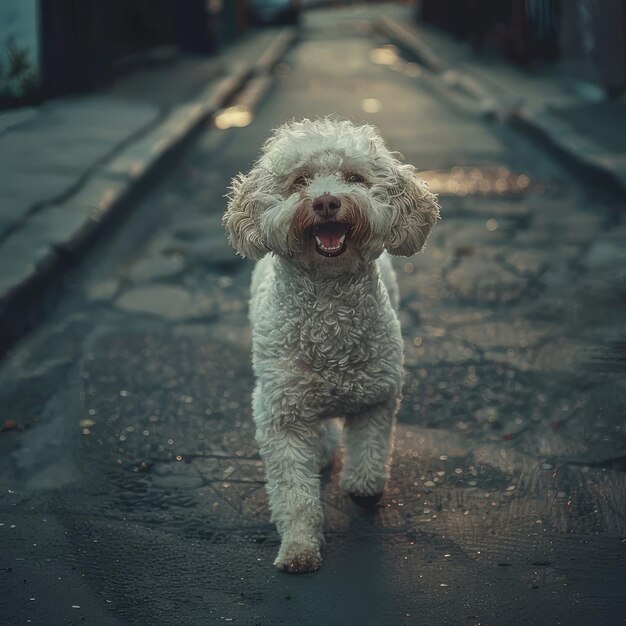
(85,42)
(75,46)
(526,32)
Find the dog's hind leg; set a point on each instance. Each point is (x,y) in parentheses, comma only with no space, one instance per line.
(368,441)
(330,442)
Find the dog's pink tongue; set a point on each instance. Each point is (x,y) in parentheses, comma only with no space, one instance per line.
(330,240)
(331,233)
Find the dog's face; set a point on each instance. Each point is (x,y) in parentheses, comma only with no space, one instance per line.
(329,195)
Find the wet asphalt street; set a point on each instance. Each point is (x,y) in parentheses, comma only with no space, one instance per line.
(133,493)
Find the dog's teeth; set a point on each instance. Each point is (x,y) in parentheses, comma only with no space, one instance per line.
(330,249)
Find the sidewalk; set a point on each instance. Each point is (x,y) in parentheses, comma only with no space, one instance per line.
(569,116)
(68,166)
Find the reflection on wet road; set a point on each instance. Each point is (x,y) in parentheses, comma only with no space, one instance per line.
(137,474)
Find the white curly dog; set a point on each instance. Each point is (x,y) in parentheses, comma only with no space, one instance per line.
(319,208)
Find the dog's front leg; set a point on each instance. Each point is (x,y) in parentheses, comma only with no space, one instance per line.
(291,453)
(368,441)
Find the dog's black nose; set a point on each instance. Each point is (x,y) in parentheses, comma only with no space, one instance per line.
(326,204)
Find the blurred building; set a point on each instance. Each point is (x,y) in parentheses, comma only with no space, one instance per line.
(54,47)
(586,36)
(592,41)
(20,72)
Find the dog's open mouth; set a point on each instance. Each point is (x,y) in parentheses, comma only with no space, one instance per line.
(330,238)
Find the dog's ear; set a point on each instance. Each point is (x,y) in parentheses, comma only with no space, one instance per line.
(416,213)
(242,217)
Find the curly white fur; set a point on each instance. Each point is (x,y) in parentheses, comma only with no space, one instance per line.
(326,338)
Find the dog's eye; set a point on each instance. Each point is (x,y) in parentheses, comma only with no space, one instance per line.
(354,178)
(301,181)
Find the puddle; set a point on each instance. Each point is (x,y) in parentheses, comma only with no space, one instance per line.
(385,55)
(389,55)
(485,181)
(371,105)
(237,116)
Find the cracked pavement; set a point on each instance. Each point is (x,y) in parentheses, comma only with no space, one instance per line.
(131,483)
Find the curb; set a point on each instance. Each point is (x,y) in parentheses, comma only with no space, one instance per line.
(577,149)
(282,42)
(409,38)
(57,237)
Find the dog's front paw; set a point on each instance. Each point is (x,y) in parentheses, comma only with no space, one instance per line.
(297,557)
(363,487)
